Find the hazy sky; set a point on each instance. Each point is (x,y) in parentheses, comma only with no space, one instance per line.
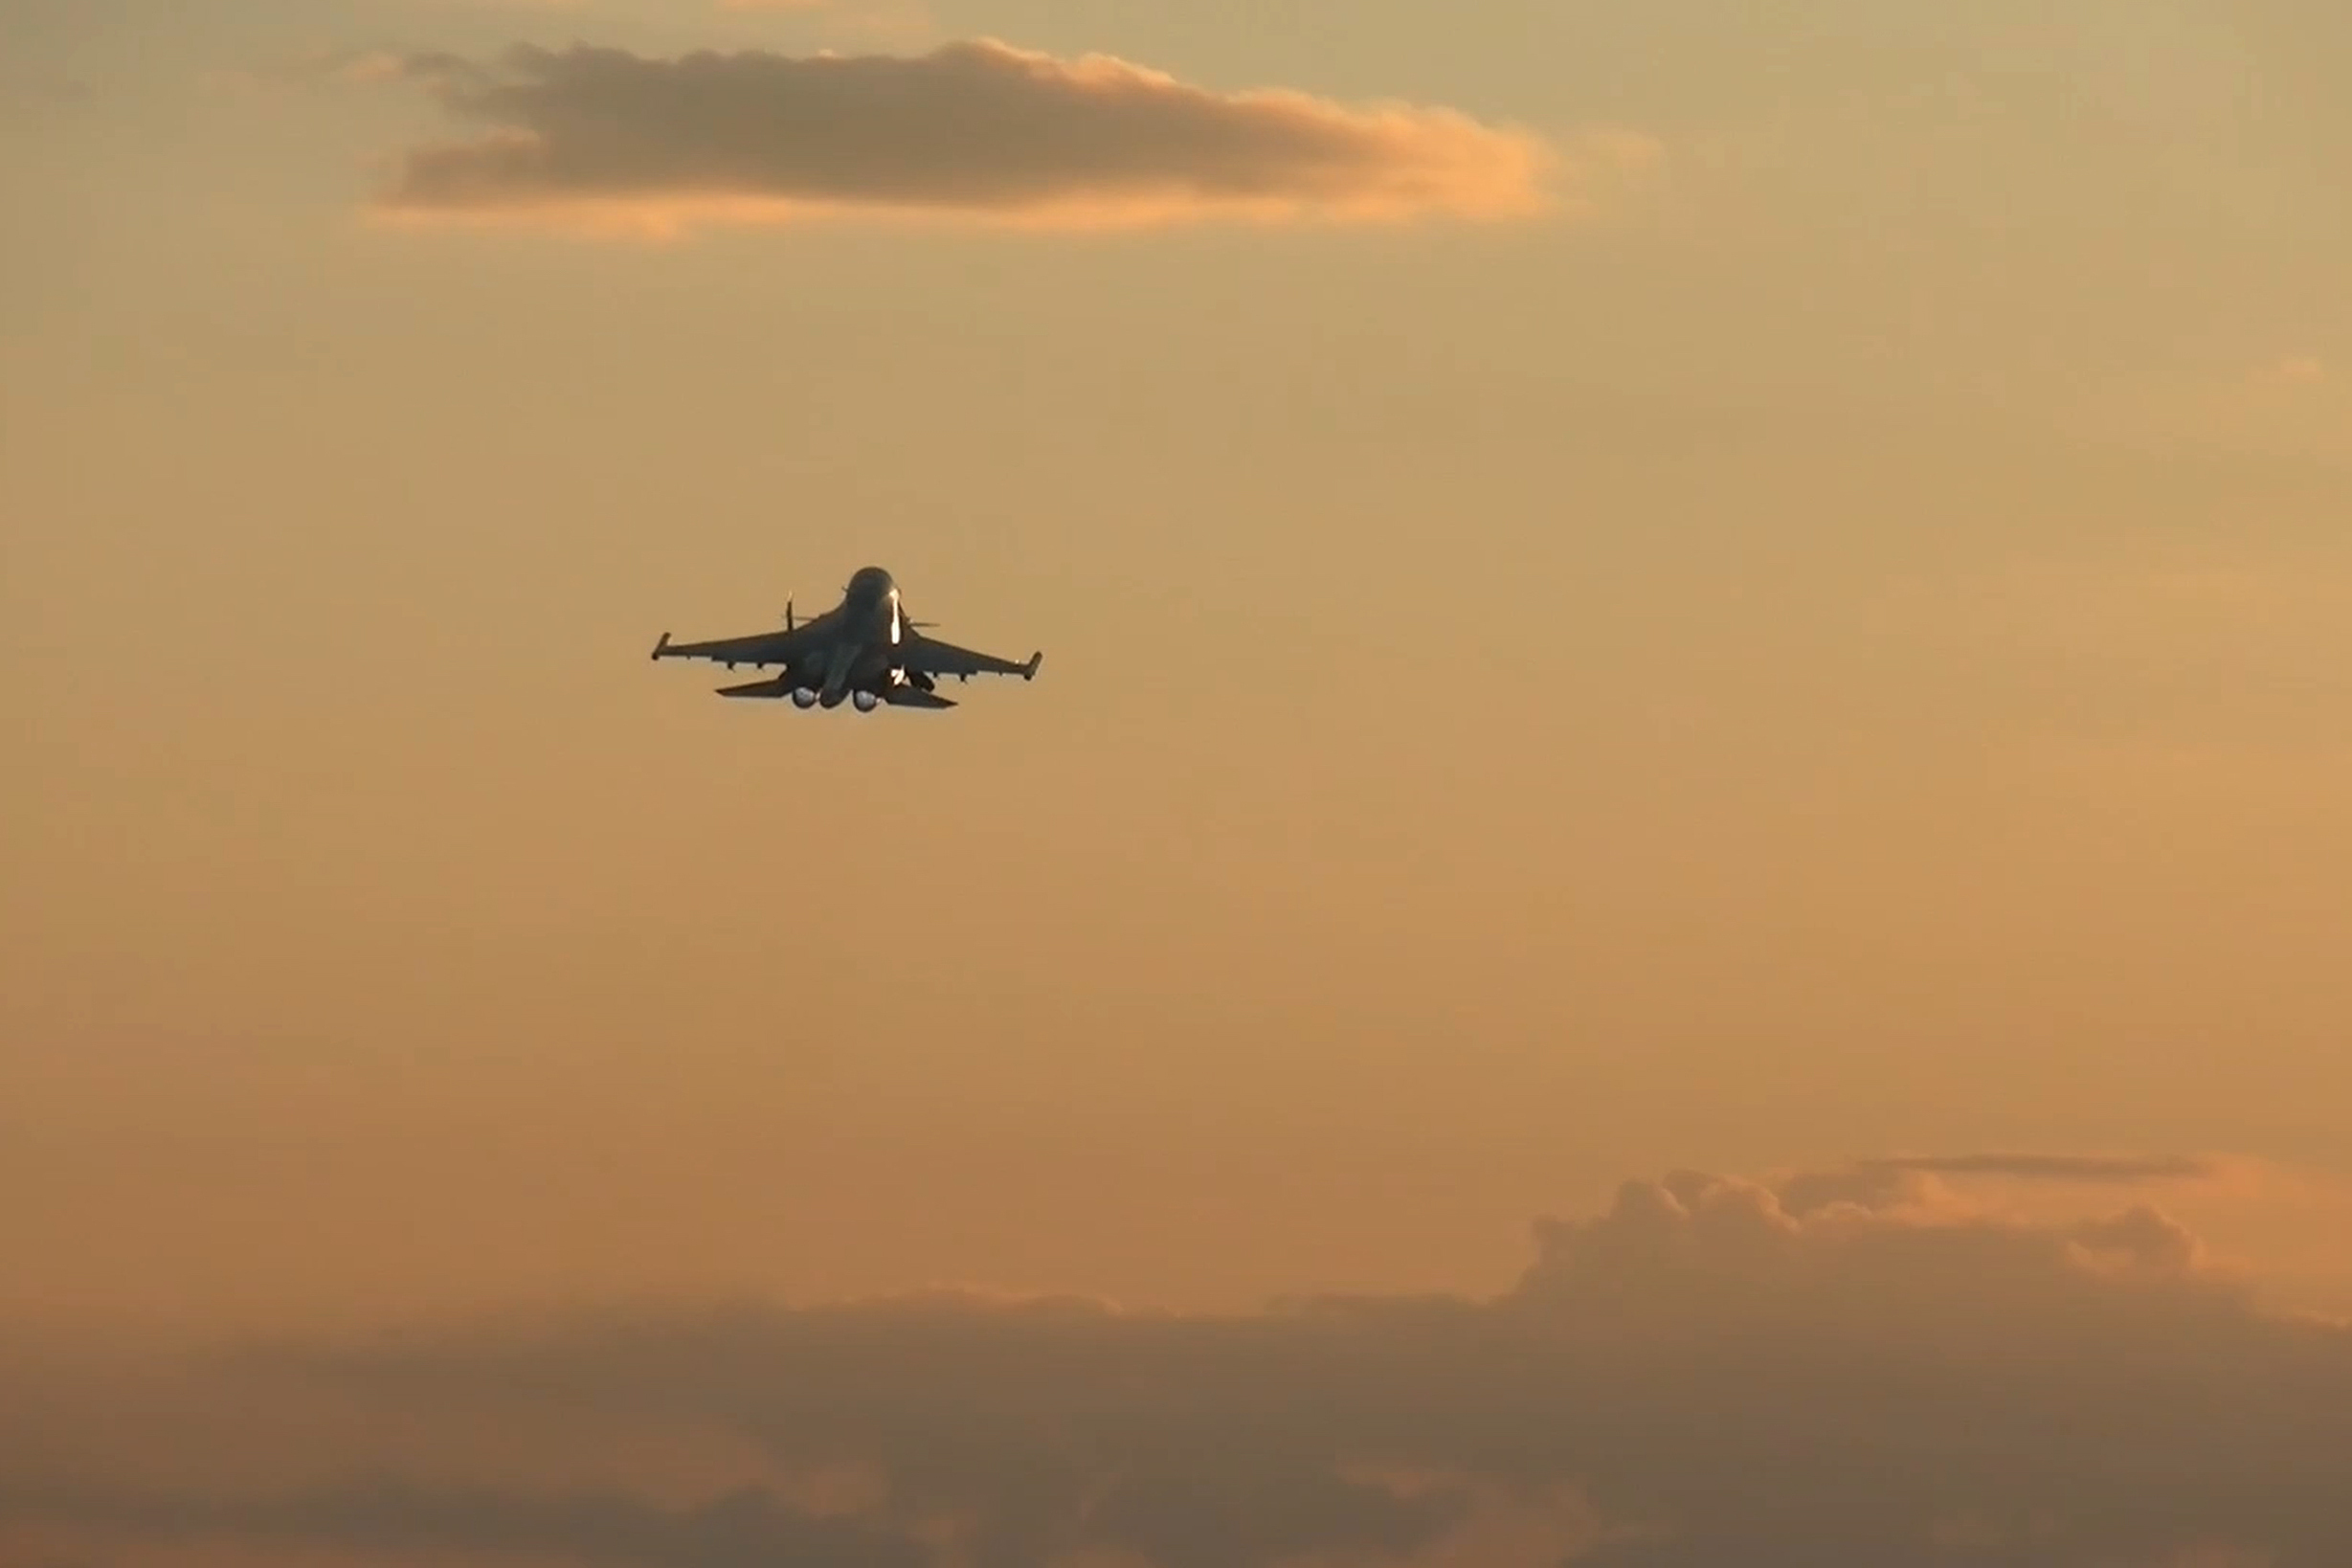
(1623,588)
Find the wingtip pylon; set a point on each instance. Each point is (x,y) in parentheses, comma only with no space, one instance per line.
(1035,660)
(661,645)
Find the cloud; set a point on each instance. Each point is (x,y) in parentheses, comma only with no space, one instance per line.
(972,131)
(737,1529)
(2056,1167)
(1710,1373)
(1906,1182)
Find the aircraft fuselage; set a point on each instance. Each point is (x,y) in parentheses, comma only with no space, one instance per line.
(864,653)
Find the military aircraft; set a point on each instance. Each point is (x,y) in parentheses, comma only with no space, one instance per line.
(864,649)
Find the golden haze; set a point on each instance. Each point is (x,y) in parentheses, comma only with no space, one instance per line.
(1818,641)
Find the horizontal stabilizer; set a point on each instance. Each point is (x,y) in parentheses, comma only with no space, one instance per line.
(775,685)
(915,697)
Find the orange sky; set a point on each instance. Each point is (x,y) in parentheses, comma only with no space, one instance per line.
(1821,640)
(1692,744)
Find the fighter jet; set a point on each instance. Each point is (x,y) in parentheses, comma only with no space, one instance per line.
(864,649)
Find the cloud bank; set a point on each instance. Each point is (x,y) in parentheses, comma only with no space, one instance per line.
(973,131)
(1713,1372)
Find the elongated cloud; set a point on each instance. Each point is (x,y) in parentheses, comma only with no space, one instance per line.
(2125,1168)
(976,130)
(1703,1374)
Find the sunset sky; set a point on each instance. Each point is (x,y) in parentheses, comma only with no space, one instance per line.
(1626,590)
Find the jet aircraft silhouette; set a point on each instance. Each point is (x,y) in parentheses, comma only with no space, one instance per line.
(865,649)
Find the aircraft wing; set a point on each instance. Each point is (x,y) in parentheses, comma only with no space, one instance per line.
(758,648)
(928,656)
